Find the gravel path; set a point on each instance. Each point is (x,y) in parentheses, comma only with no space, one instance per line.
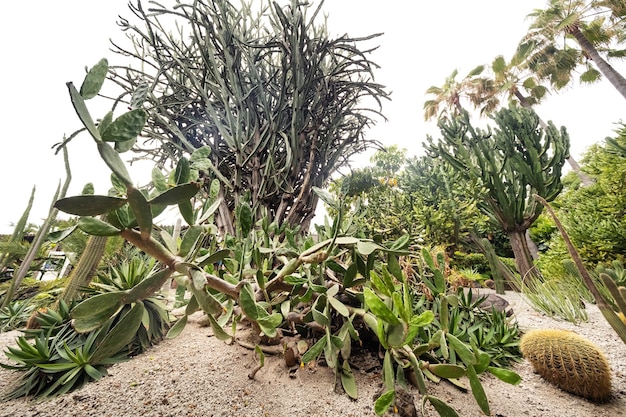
(197,375)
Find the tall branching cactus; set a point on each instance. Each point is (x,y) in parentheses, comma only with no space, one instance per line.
(514,161)
(277,103)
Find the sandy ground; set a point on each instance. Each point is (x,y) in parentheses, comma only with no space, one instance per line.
(197,375)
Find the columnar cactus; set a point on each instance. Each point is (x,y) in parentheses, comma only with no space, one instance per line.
(569,361)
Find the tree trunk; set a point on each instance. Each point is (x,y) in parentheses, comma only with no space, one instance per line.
(523,258)
(614,77)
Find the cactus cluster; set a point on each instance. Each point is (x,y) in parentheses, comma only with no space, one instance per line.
(569,361)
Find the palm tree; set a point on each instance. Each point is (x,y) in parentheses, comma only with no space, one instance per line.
(595,26)
(447,98)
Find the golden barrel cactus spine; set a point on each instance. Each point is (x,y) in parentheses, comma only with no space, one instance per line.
(569,361)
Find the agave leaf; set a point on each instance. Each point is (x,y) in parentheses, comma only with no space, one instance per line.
(120,335)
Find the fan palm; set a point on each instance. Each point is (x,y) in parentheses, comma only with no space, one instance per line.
(595,27)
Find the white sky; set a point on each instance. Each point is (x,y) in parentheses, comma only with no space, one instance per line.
(50,43)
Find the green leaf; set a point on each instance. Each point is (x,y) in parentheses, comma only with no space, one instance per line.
(268,324)
(89,205)
(245,218)
(388,374)
(176,195)
(182,174)
(104,123)
(97,227)
(177,328)
(394,267)
(212,258)
(247,301)
(142,211)
(94,79)
(83,114)
(378,308)
(218,331)
(478,390)
(59,235)
(125,146)
(97,304)
(326,197)
(396,335)
(347,381)
(189,240)
(339,306)
(206,300)
(365,247)
(445,370)
(350,276)
(126,127)
(505,375)
(121,334)
(112,159)
(186,210)
(158,180)
(461,349)
(443,409)
(383,402)
(315,350)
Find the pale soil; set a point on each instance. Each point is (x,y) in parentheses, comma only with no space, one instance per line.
(197,375)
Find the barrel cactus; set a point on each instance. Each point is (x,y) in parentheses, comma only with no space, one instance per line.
(569,361)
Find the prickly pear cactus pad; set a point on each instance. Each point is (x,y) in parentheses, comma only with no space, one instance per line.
(569,361)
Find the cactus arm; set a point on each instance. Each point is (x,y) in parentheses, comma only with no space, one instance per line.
(86,267)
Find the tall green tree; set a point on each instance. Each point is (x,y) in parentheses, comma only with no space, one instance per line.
(571,34)
(277,103)
(513,161)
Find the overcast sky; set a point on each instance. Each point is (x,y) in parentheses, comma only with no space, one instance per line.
(49,43)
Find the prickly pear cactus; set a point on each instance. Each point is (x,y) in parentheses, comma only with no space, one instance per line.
(569,361)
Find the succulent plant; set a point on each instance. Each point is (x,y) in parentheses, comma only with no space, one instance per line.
(568,361)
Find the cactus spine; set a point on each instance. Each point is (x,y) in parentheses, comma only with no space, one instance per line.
(568,361)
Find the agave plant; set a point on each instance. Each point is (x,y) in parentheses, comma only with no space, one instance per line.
(156,321)
(58,359)
(15,315)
